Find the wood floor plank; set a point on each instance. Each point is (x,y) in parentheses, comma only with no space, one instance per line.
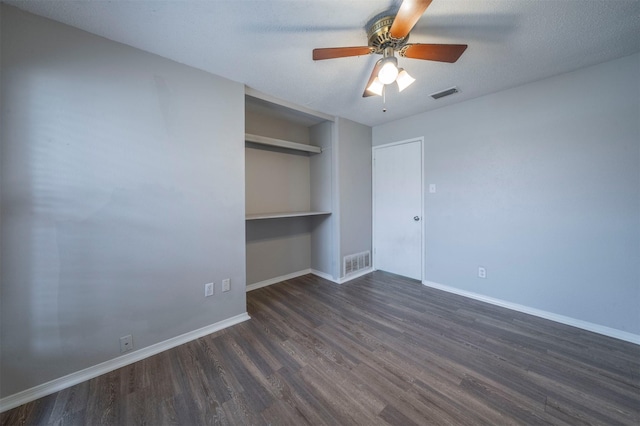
(346,410)
(294,391)
(378,350)
(393,416)
(505,402)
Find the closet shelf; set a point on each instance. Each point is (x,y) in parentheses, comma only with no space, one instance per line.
(284,215)
(279,143)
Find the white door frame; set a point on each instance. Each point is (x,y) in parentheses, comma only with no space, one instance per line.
(422,196)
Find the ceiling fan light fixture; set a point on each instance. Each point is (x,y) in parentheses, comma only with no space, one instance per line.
(388,67)
(404,80)
(389,70)
(376,87)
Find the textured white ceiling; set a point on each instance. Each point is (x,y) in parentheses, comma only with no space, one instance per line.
(267,44)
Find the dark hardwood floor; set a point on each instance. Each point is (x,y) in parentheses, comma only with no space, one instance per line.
(381,349)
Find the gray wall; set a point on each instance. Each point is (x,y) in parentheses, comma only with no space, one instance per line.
(541,185)
(354,162)
(122,195)
(277,247)
(323,246)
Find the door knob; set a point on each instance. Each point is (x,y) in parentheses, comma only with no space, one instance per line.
(416,218)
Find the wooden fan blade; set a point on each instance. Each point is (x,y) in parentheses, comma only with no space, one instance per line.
(409,13)
(433,52)
(340,52)
(374,74)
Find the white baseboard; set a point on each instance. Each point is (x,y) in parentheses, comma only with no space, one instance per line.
(275,280)
(585,325)
(356,275)
(325,276)
(72,379)
(305,272)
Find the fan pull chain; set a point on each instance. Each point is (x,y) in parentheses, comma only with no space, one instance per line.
(384,98)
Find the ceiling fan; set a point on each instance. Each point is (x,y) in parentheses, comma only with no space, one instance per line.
(387,36)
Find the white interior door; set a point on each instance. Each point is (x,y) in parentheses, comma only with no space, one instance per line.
(397,208)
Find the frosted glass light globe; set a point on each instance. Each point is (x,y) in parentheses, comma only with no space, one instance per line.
(388,73)
(404,80)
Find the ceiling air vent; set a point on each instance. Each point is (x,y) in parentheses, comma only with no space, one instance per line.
(444,93)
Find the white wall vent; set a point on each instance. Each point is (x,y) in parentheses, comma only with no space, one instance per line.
(356,262)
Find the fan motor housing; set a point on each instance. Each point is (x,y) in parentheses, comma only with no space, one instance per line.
(380,38)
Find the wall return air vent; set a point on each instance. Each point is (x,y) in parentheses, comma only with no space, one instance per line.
(356,262)
(444,93)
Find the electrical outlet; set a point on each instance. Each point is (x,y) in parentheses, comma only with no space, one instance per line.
(126,343)
(208,289)
(482,272)
(226,284)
